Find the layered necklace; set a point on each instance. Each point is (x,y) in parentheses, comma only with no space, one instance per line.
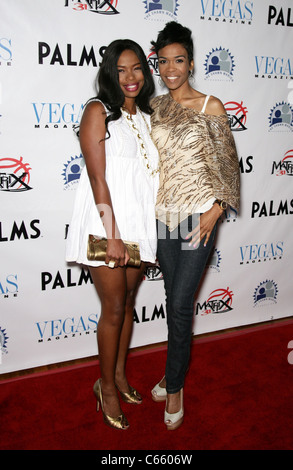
(142,147)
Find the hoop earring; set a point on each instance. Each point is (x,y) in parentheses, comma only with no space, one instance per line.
(161,83)
(191,76)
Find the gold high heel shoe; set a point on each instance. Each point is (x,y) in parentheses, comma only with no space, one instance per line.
(118,423)
(133,397)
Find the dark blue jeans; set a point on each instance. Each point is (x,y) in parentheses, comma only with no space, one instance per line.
(182,268)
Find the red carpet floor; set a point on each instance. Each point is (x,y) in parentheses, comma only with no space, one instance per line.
(238,396)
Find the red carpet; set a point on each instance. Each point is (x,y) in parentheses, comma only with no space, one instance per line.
(238,396)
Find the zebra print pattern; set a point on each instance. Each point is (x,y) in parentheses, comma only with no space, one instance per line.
(198,160)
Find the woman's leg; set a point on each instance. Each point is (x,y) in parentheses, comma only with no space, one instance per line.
(169,249)
(111,288)
(182,279)
(133,278)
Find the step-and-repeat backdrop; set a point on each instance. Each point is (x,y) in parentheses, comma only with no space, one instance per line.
(50,52)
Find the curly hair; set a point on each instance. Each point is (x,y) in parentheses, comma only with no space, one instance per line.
(174,33)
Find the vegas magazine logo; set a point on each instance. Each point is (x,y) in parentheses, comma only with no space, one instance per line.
(70,327)
(261,252)
(273,67)
(234,11)
(8,284)
(102,7)
(57,115)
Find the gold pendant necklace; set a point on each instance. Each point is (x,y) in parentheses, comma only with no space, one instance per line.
(151,171)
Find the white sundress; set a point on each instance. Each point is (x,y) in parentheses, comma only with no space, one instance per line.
(133,193)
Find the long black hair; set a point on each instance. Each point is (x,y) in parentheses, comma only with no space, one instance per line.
(107,82)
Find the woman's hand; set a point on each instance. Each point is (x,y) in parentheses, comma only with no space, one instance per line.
(205,227)
(117,252)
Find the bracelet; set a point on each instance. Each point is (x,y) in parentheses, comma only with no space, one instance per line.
(223,205)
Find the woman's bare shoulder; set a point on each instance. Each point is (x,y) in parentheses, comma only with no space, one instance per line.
(215,106)
(94,107)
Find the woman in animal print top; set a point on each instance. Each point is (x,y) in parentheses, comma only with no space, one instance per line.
(199,178)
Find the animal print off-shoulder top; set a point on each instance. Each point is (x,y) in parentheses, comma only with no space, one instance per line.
(198,160)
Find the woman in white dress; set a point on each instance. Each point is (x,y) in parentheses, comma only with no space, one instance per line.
(116,199)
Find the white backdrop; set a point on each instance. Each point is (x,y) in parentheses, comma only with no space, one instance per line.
(49,54)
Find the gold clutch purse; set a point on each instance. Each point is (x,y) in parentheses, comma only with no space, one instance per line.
(97,246)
